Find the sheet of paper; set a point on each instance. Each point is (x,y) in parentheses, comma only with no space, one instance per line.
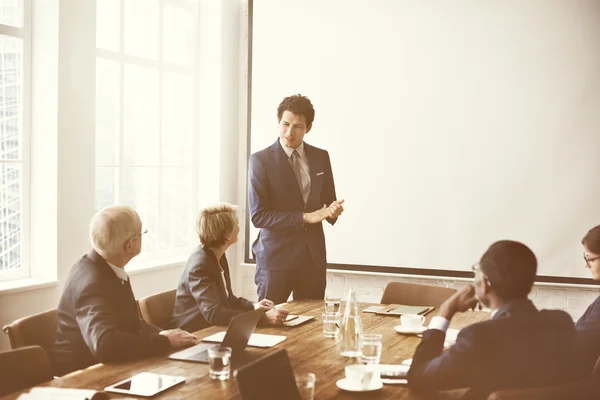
(256,340)
(53,393)
(297,321)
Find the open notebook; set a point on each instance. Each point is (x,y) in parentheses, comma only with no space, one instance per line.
(398,309)
(54,393)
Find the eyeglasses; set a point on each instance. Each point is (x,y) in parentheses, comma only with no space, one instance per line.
(143,233)
(476,267)
(589,260)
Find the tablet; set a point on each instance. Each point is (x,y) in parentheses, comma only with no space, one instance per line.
(145,384)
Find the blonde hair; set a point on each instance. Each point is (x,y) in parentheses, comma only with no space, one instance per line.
(111,228)
(215,223)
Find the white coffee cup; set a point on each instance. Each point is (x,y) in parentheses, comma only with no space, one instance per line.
(360,376)
(412,321)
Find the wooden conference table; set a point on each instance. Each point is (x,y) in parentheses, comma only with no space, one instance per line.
(308,350)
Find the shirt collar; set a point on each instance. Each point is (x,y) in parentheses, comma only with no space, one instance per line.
(494,312)
(289,151)
(120,272)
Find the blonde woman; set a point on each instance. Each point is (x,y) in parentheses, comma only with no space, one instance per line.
(204,295)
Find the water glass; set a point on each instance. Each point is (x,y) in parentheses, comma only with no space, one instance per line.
(370,348)
(219,358)
(306,385)
(331,325)
(332,304)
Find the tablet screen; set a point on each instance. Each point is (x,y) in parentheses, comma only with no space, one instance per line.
(145,384)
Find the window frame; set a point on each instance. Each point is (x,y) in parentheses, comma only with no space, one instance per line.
(24,161)
(150,260)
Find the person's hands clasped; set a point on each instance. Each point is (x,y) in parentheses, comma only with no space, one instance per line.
(276,316)
(264,304)
(180,338)
(460,301)
(336,208)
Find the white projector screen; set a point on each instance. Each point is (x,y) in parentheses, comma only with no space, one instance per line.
(450,125)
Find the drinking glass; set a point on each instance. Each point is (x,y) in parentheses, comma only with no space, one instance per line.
(219,358)
(306,385)
(332,304)
(331,324)
(370,348)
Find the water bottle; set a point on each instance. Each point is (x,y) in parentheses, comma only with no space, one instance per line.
(350,328)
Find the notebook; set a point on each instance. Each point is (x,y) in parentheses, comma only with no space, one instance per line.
(256,340)
(51,393)
(395,309)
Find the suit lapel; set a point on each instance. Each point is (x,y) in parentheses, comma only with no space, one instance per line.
(285,169)
(315,165)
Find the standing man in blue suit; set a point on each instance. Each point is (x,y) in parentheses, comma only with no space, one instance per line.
(291,191)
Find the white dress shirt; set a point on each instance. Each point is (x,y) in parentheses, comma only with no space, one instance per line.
(441,324)
(120,272)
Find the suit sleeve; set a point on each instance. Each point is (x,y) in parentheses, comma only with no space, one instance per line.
(328,193)
(98,323)
(591,318)
(434,369)
(204,288)
(262,213)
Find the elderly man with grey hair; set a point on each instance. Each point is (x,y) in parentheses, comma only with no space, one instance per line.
(98,319)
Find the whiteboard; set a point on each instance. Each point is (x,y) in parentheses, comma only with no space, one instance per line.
(450,125)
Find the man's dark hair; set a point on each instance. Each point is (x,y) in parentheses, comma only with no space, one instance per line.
(591,240)
(299,105)
(510,267)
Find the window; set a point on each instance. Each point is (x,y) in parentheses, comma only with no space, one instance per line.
(146,124)
(14,136)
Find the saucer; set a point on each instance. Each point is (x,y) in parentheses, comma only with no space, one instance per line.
(410,331)
(344,384)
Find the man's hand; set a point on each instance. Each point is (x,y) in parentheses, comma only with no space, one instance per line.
(180,338)
(264,305)
(276,316)
(460,301)
(336,208)
(316,216)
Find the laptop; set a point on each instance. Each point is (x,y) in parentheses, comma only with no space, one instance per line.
(238,333)
(268,378)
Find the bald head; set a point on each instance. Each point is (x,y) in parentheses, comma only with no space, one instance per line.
(111,230)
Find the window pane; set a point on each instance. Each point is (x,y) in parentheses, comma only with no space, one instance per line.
(10,97)
(178,119)
(178,35)
(140,191)
(177,208)
(141,28)
(11,12)
(10,216)
(108,24)
(106,177)
(107,111)
(141,116)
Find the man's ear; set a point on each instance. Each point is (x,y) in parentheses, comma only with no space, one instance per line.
(308,128)
(486,285)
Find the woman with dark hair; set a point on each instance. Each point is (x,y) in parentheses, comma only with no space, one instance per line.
(591,253)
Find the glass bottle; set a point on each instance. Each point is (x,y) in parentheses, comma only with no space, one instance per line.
(350,328)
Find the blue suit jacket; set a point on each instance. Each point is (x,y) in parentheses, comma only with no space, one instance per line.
(276,207)
(519,347)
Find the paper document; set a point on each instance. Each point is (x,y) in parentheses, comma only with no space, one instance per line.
(54,393)
(256,340)
(299,319)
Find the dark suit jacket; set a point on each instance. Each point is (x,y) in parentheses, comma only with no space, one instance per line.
(98,320)
(276,206)
(201,298)
(519,347)
(588,338)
